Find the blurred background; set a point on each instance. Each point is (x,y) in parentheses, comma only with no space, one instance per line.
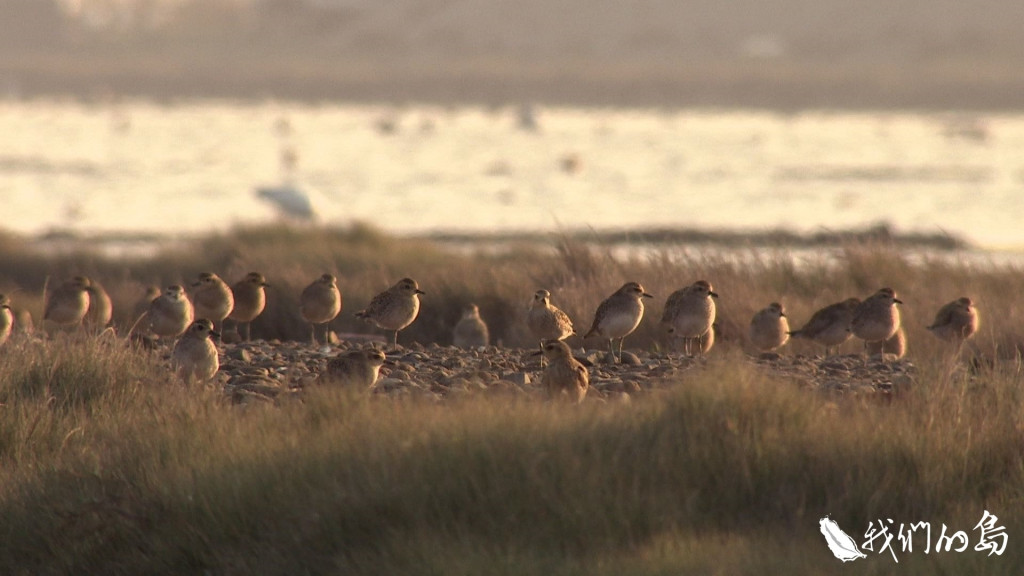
(479,116)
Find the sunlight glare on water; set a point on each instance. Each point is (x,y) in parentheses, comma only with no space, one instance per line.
(194,167)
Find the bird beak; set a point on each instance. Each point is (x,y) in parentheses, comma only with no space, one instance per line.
(535,353)
(897,300)
(646,295)
(782,314)
(713,294)
(418,291)
(214,334)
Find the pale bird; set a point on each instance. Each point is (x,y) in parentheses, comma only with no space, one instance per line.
(546,321)
(319,303)
(619,315)
(689,313)
(250,299)
(68,304)
(6,318)
(876,319)
(956,322)
(896,345)
(829,326)
(170,314)
(101,309)
(395,308)
(195,355)
(769,328)
(471,330)
(212,298)
(355,368)
(564,377)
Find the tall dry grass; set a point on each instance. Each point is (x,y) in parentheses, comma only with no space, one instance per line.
(108,465)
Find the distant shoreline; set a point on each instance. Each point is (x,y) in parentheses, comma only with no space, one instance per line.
(771,85)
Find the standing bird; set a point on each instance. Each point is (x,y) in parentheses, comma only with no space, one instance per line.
(170,314)
(101,309)
(6,318)
(876,319)
(829,326)
(68,304)
(689,314)
(546,321)
(250,299)
(956,322)
(564,376)
(395,308)
(895,345)
(319,303)
(195,356)
(769,328)
(471,331)
(355,368)
(212,298)
(619,315)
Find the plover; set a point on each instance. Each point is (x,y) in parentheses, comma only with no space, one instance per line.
(619,315)
(395,308)
(689,313)
(319,303)
(470,331)
(564,377)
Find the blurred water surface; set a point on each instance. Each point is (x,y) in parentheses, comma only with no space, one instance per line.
(196,167)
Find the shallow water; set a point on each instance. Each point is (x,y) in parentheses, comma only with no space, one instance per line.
(193,167)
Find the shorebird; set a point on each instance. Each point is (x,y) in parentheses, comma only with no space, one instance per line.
(876,319)
(689,314)
(170,314)
(212,298)
(195,356)
(6,318)
(769,328)
(356,368)
(471,331)
(101,309)
(564,376)
(956,322)
(619,315)
(319,303)
(829,326)
(546,321)
(395,308)
(68,304)
(250,299)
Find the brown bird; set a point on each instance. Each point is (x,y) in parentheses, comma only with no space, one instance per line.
(546,321)
(619,315)
(68,304)
(956,322)
(320,303)
(101,309)
(829,326)
(395,308)
(564,377)
(170,314)
(356,368)
(769,328)
(250,299)
(195,355)
(212,298)
(689,314)
(470,331)
(6,318)
(877,318)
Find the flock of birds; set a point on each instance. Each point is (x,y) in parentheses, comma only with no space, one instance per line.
(689,315)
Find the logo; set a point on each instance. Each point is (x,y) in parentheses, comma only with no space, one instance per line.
(991,538)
